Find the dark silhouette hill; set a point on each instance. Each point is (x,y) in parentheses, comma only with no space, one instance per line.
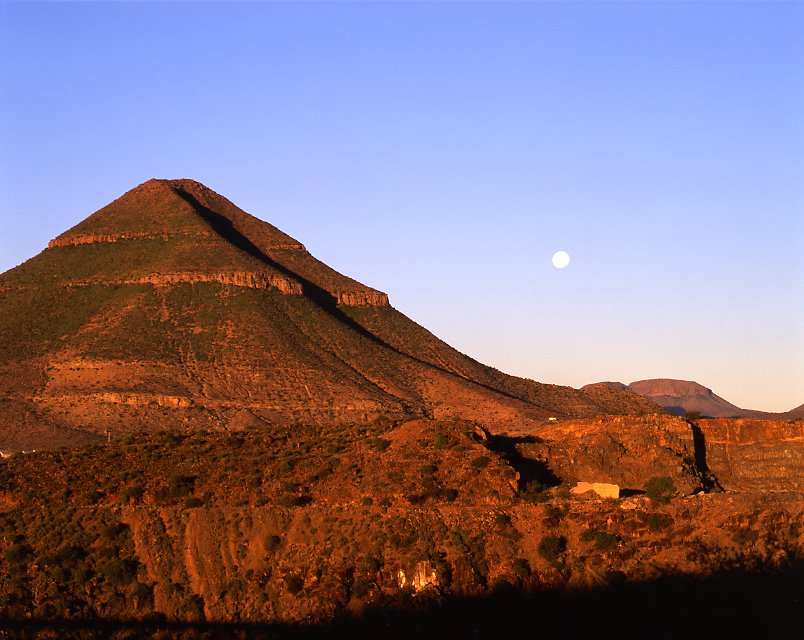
(681,397)
(172,307)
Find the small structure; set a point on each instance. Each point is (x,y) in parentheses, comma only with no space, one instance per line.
(5,453)
(552,419)
(604,490)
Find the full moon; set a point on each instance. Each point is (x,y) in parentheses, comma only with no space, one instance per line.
(561,259)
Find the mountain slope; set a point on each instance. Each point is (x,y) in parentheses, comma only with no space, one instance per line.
(171,307)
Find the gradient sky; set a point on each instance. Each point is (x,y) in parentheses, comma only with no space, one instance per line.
(442,152)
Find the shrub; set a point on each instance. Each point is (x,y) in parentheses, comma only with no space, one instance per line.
(119,572)
(657,521)
(588,535)
(71,554)
(521,568)
(180,486)
(745,537)
(501,519)
(291,500)
(132,494)
(378,444)
(551,547)
(294,583)
(144,596)
(605,541)
(441,441)
(660,488)
(18,553)
(272,543)
(481,462)
(532,492)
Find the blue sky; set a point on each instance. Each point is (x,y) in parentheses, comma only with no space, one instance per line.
(443,151)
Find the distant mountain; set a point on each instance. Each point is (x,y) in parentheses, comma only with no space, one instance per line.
(680,397)
(173,308)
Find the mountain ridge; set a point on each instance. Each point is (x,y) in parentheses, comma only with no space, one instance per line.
(680,397)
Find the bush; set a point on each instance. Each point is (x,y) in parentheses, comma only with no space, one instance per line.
(532,492)
(501,519)
(18,553)
(378,444)
(658,522)
(272,543)
(551,547)
(660,488)
(605,541)
(521,568)
(132,494)
(180,486)
(481,462)
(119,572)
(294,583)
(588,535)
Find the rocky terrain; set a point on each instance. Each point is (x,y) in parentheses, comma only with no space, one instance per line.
(681,397)
(320,524)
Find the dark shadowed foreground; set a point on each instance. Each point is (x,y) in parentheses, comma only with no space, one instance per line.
(731,604)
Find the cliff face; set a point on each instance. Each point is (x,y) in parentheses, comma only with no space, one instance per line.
(751,455)
(624,450)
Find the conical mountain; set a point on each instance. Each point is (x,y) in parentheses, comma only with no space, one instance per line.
(173,308)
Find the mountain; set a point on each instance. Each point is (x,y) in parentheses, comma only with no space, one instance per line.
(173,308)
(683,396)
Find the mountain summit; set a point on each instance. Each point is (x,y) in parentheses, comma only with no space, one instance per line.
(171,307)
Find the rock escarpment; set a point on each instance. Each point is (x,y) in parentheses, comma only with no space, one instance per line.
(751,455)
(623,450)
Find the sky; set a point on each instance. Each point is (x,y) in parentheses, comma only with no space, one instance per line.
(442,152)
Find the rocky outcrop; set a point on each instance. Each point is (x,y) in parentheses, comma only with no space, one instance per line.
(623,450)
(238,279)
(113,397)
(422,577)
(95,238)
(363,298)
(251,280)
(748,455)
